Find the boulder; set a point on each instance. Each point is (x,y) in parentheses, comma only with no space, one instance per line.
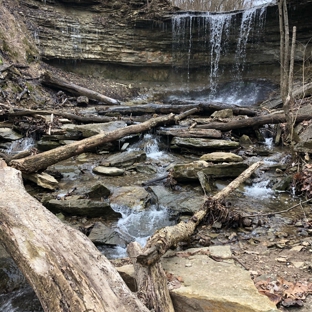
(305,144)
(203,143)
(134,197)
(82,207)
(125,159)
(185,172)
(221,157)
(110,171)
(209,285)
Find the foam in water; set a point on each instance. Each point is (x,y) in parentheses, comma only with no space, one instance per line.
(259,190)
(21,145)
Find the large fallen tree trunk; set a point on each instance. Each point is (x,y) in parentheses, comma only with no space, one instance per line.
(251,122)
(63,266)
(55,82)
(42,161)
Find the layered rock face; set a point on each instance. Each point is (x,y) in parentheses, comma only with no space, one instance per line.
(134,40)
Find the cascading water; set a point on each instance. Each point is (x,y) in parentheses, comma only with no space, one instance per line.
(212,34)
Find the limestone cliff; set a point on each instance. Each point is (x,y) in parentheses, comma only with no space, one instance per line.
(134,39)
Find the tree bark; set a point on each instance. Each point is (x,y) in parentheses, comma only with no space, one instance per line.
(42,161)
(251,122)
(63,266)
(54,82)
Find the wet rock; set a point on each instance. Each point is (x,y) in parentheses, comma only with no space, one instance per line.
(9,134)
(224,113)
(110,171)
(283,184)
(93,129)
(82,207)
(184,172)
(102,234)
(146,168)
(42,179)
(177,202)
(11,277)
(98,191)
(206,283)
(125,159)
(203,143)
(221,157)
(134,197)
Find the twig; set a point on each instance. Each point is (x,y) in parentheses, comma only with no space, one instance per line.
(277,212)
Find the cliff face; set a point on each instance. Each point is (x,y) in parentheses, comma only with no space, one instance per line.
(131,40)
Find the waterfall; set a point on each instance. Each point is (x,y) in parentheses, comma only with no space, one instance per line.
(211,35)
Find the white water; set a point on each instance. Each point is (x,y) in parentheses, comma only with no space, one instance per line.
(214,31)
(259,190)
(21,145)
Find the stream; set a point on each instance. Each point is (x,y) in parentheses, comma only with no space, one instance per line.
(137,223)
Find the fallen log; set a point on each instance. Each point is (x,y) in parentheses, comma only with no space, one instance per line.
(147,261)
(176,109)
(55,82)
(42,161)
(170,236)
(251,122)
(191,133)
(65,269)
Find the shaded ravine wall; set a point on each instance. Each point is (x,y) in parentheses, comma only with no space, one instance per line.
(123,40)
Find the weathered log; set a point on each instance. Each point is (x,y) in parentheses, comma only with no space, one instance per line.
(151,283)
(42,161)
(176,109)
(191,133)
(169,236)
(54,82)
(251,122)
(65,269)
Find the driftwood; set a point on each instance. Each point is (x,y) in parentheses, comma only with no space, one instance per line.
(65,269)
(42,161)
(170,236)
(173,108)
(251,122)
(54,82)
(191,133)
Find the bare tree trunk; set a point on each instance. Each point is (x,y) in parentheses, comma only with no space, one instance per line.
(44,160)
(65,269)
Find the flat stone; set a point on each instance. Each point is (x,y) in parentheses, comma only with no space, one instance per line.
(185,172)
(82,207)
(110,171)
(125,159)
(98,191)
(214,286)
(204,143)
(9,134)
(221,157)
